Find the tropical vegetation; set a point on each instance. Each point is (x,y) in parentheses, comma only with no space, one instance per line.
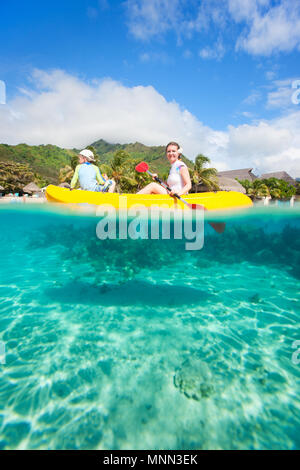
(43,160)
(124,174)
(276,188)
(14,176)
(65,174)
(206,177)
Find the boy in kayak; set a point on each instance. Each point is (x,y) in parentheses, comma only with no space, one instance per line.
(89,175)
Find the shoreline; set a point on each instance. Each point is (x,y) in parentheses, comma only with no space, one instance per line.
(23,200)
(43,200)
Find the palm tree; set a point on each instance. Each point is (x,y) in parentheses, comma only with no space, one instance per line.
(260,189)
(275,193)
(256,188)
(280,189)
(205,176)
(74,161)
(277,189)
(247,185)
(124,174)
(106,169)
(66,174)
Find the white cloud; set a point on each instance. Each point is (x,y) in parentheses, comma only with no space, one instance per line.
(242,10)
(156,57)
(2,92)
(147,18)
(278,94)
(253,98)
(145,57)
(270,74)
(281,95)
(247,114)
(187,54)
(260,140)
(269,146)
(267,27)
(217,51)
(63,110)
(275,29)
(203,15)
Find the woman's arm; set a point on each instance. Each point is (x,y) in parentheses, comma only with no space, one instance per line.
(184,172)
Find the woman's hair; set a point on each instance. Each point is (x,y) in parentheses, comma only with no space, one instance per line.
(173,143)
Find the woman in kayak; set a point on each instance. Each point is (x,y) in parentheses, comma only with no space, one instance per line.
(90,178)
(179,178)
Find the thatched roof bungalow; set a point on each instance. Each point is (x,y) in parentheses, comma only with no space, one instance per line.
(229,184)
(280,175)
(31,188)
(225,184)
(242,174)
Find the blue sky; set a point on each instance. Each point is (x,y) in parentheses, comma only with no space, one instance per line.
(217,75)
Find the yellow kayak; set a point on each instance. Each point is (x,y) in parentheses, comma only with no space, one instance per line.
(211,201)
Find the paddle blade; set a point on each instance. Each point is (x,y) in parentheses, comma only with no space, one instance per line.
(197,207)
(142,167)
(218,226)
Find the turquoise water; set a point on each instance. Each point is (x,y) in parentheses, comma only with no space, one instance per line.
(140,344)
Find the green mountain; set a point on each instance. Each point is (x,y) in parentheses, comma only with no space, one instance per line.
(43,160)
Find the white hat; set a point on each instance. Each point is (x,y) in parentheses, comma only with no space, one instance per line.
(88,154)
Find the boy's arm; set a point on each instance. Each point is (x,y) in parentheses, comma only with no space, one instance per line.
(99,177)
(75,177)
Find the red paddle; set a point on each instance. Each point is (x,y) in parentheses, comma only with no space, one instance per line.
(144,168)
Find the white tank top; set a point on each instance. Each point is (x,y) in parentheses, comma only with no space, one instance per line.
(174,180)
